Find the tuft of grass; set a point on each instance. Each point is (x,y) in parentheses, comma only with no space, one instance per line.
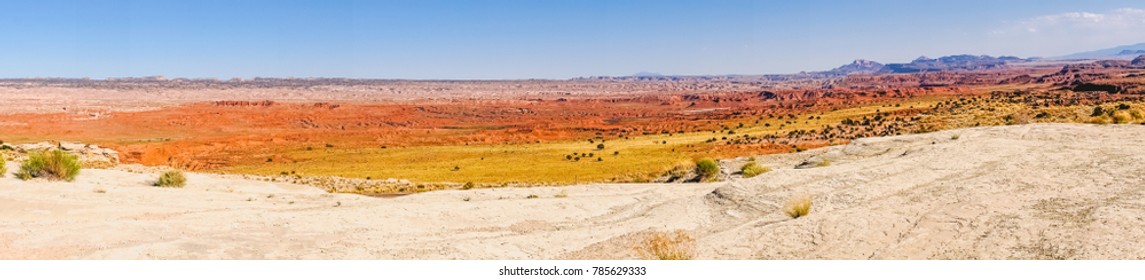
(54,165)
(3,166)
(752,169)
(532,196)
(664,246)
(1122,117)
(171,179)
(681,169)
(468,185)
(798,207)
(955,137)
(99,191)
(823,163)
(707,169)
(562,194)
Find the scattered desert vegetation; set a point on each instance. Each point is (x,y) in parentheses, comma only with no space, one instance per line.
(171,179)
(752,169)
(51,165)
(644,158)
(3,166)
(798,207)
(668,246)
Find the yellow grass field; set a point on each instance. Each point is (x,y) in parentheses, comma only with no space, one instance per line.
(635,159)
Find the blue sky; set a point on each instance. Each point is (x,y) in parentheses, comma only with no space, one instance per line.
(532,39)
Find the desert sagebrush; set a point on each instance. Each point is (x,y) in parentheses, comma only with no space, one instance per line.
(707,169)
(171,179)
(664,246)
(53,165)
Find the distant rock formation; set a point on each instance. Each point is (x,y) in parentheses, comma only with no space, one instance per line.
(1139,61)
(1021,79)
(859,66)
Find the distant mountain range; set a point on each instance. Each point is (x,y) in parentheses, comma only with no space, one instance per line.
(966,62)
(963,62)
(647,74)
(1126,52)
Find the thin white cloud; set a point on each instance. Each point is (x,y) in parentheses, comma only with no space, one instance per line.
(1116,20)
(1074,31)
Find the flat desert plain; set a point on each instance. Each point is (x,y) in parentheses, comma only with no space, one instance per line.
(1036,191)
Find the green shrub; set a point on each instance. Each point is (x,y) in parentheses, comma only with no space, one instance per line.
(171,179)
(707,169)
(752,169)
(54,165)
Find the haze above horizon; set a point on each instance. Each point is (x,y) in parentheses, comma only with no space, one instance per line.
(533,39)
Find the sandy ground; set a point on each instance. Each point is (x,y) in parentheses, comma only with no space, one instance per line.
(1044,191)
